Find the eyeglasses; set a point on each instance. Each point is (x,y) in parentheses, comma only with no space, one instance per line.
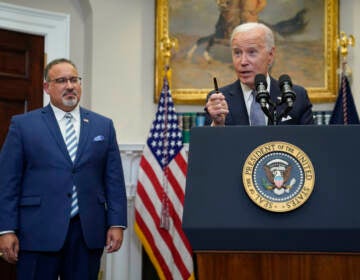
(63,80)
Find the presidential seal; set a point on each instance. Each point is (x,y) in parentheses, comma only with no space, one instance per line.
(278,176)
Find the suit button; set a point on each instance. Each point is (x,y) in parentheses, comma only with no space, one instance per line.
(69,195)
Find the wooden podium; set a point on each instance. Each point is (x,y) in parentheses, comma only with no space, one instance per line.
(277,266)
(233,238)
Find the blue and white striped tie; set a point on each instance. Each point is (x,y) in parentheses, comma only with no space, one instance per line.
(71,144)
(257,116)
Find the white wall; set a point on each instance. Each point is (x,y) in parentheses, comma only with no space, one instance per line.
(112,42)
(123,65)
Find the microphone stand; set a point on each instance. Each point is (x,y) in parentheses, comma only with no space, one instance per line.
(263,99)
(277,117)
(268,106)
(270,112)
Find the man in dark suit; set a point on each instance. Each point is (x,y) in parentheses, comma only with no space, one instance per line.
(253,52)
(62,191)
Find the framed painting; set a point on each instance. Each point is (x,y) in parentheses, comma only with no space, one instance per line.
(192,38)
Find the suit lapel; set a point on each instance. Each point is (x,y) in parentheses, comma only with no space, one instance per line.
(237,105)
(53,126)
(274,94)
(84,132)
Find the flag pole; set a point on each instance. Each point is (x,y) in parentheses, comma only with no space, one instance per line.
(343,42)
(345,72)
(344,111)
(161,185)
(166,46)
(165,215)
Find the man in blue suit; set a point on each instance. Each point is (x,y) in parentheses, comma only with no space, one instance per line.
(253,52)
(62,191)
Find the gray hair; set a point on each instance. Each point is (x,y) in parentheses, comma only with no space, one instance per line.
(54,62)
(248,26)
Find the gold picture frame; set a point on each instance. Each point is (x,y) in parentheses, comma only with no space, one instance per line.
(319,67)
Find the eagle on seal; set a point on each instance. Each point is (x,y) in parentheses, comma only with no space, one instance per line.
(277,178)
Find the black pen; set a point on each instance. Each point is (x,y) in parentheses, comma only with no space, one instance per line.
(216,91)
(216,85)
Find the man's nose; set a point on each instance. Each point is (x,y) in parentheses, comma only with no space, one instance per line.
(244,59)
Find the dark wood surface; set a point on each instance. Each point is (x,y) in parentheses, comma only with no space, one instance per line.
(7,271)
(277,266)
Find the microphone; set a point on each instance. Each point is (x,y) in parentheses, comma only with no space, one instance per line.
(262,95)
(288,95)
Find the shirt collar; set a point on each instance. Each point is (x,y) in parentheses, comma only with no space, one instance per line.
(59,114)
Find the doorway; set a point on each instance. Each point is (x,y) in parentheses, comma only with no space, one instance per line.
(21,78)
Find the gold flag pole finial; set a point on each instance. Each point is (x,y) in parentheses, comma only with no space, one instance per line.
(166,46)
(343,42)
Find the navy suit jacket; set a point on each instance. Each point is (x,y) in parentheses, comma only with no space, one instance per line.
(37,176)
(301,112)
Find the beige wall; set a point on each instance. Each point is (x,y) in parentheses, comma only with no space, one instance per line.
(112,43)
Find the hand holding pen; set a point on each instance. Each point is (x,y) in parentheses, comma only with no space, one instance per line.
(217,107)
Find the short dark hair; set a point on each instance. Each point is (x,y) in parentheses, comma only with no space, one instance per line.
(54,62)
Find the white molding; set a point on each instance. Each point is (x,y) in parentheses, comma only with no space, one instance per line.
(127,263)
(55,27)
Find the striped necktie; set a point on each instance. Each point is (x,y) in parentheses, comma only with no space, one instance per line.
(71,144)
(257,116)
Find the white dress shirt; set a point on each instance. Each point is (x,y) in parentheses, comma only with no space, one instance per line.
(60,117)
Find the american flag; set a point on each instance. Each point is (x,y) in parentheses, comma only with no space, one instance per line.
(160,194)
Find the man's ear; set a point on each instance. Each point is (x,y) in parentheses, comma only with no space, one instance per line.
(271,56)
(46,87)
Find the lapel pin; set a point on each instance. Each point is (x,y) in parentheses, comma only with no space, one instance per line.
(86,120)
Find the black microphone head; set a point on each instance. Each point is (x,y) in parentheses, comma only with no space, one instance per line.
(284,79)
(288,95)
(260,79)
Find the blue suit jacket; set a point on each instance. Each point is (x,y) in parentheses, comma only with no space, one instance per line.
(301,112)
(37,175)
